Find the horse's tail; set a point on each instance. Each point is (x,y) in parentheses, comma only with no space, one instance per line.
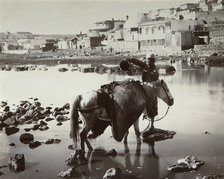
(74,122)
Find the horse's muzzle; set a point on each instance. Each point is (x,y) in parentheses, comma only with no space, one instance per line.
(171,102)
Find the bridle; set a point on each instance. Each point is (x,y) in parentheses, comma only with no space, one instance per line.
(162,85)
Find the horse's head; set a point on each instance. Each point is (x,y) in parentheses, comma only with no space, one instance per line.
(163,92)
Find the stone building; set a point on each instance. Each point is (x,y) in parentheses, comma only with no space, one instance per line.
(167,36)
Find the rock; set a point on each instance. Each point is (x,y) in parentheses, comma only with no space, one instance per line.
(11,130)
(42,123)
(71,147)
(62,69)
(112,152)
(57,141)
(187,164)
(61,118)
(67,173)
(17,162)
(27,129)
(20,110)
(157,135)
(46,112)
(51,141)
(3,104)
(6,109)
(66,106)
(59,124)
(37,103)
(12,144)
(35,144)
(2,125)
(35,127)
(49,119)
(77,158)
(113,173)
(10,121)
(6,115)
(43,128)
(26,138)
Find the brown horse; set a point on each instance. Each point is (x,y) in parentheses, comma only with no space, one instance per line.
(127,104)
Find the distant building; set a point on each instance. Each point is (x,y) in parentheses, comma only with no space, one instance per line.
(218,6)
(189,6)
(160,36)
(102,28)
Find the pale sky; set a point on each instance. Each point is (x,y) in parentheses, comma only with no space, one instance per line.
(71,16)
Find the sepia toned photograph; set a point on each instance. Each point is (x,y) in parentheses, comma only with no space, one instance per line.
(111,89)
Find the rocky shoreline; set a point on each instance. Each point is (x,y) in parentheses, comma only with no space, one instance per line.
(54,58)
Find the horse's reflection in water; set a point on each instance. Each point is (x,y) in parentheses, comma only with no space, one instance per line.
(142,163)
(150,162)
(145,164)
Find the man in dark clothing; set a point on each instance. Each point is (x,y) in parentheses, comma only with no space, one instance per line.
(150,74)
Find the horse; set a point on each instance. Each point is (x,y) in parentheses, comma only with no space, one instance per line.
(128,101)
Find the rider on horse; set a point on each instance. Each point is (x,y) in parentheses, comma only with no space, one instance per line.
(150,74)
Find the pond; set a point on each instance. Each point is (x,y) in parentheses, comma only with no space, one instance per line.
(196,117)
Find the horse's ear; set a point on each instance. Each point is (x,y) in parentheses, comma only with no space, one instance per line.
(162,81)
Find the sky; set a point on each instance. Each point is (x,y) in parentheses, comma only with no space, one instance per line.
(71,16)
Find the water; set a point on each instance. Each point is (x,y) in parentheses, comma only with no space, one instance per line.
(198,92)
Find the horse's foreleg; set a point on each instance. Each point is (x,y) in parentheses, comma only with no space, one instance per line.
(152,124)
(137,132)
(83,136)
(126,137)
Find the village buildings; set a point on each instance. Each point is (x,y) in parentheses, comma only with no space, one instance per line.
(163,31)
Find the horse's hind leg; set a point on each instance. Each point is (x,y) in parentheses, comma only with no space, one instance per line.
(83,136)
(137,132)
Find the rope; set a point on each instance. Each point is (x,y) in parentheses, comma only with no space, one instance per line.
(157,119)
(161,117)
(164,115)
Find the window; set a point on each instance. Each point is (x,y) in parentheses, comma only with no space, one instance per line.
(140,30)
(147,31)
(133,37)
(134,29)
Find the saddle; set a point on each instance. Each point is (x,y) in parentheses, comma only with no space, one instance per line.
(105,100)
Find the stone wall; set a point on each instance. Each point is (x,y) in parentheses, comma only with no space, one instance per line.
(123,45)
(209,49)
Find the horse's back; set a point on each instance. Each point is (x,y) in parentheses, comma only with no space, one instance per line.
(88,99)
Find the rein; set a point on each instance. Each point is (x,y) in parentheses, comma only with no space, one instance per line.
(163,115)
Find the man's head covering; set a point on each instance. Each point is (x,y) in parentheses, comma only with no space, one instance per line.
(150,57)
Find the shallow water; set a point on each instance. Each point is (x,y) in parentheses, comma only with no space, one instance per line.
(198,108)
